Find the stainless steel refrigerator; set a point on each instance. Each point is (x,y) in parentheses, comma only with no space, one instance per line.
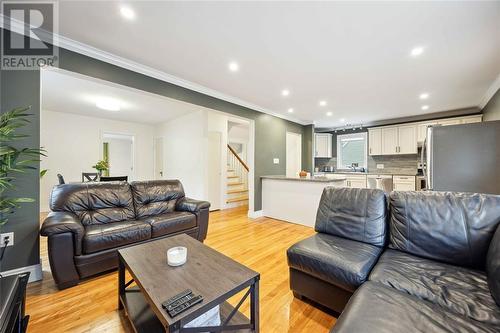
(463,158)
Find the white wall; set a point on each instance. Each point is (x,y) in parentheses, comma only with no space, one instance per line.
(74,144)
(185,142)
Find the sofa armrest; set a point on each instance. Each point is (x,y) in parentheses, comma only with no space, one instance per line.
(63,222)
(493,266)
(191,205)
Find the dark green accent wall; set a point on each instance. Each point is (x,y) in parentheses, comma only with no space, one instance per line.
(22,88)
(492,110)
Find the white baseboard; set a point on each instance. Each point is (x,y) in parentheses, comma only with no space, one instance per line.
(256,214)
(34,270)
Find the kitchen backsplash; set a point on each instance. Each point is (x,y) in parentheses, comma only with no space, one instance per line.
(393,164)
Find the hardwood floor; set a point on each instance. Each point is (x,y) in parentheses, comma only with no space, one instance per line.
(259,244)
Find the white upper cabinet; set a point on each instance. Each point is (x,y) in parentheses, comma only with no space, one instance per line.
(375,141)
(448,122)
(407,139)
(422,130)
(389,140)
(472,119)
(323,145)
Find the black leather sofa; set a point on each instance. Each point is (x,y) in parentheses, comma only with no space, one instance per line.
(438,269)
(89,222)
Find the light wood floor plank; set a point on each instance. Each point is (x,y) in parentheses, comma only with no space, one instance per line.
(259,244)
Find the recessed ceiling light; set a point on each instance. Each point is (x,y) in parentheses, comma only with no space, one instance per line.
(108,104)
(342,120)
(290,110)
(329,113)
(127,13)
(285,92)
(416,51)
(233,66)
(423,96)
(425,107)
(322,103)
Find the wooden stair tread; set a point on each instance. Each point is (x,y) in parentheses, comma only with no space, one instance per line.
(236,183)
(230,177)
(237,191)
(236,199)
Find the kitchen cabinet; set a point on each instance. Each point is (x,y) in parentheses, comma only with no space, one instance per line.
(375,141)
(399,140)
(403,183)
(407,139)
(472,119)
(448,122)
(323,145)
(356,181)
(422,130)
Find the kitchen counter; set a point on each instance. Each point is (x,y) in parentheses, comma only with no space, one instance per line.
(295,199)
(320,179)
(396,173)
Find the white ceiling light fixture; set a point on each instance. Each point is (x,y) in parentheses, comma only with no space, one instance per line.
(329,113)
(425,107)
(290,110)
(285,92)
(108,104)
(127,12)
(423,96)
(233,66)
(417,51)
(322,103)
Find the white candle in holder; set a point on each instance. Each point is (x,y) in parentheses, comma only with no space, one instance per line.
(177,256)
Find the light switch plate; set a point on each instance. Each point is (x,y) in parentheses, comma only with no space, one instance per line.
(380,166)
(276,160)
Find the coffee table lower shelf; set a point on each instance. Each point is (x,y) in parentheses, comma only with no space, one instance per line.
(144,320)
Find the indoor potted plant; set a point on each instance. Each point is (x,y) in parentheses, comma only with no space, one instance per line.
(101,166)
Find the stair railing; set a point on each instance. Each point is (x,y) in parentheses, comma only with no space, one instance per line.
(238,165)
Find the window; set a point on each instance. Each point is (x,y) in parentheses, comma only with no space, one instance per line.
(351,148)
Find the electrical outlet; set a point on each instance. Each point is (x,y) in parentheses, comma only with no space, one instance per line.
(380,166)
(9,236)
(276,160)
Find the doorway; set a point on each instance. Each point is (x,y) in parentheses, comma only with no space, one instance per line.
(293,154)
(118,150)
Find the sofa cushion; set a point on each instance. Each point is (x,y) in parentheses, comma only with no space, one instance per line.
(156,197)
(375,308)
(94,203)
(357,214)
(451,227)
(100,237)
(458,289)
(493,266)
(169,223)
(342,262)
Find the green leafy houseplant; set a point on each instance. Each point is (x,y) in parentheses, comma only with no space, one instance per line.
(101,166)
(14,161)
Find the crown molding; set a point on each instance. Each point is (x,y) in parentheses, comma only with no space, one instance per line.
(93,52)
(495,86)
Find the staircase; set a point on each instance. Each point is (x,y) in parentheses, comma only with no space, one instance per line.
(237,180)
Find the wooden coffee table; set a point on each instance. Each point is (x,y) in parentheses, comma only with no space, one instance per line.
(206,272)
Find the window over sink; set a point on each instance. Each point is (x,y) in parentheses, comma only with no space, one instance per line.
(352,148)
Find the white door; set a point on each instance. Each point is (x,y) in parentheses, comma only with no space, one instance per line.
(407,139)
(293,154)
(215,169)
(375,141)
(159,158)
(120,155)
(389,140)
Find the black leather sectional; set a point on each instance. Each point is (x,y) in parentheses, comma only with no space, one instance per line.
(409,262)
(89,222)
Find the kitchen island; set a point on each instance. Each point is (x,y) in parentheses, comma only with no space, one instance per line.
(295,199)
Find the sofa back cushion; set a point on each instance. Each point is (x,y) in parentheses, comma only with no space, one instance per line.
(94,203)
(156,197)
(450,227)
(493,266)
(357,214)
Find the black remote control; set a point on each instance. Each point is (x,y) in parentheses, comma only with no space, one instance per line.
(175,298)
(179,302)
(183,307)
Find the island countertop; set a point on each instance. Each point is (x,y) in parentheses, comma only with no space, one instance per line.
(320,179)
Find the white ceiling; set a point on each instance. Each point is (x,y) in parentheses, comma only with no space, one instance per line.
(72,93)
(355,55)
